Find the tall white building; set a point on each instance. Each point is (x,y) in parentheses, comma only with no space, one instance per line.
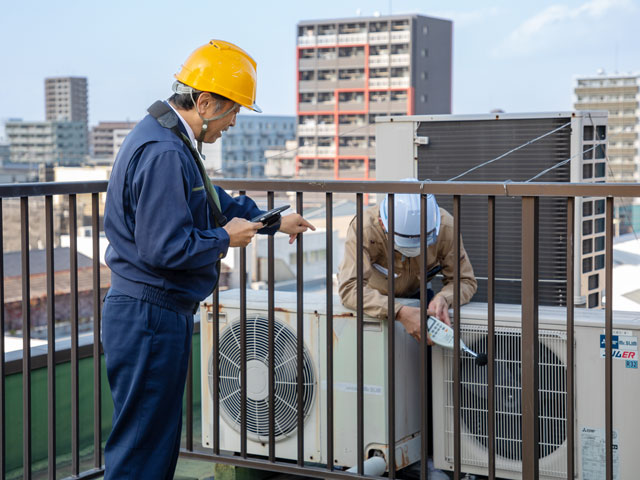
(619,94)
(66,99)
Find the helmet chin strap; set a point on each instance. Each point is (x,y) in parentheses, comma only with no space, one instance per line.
(205,121)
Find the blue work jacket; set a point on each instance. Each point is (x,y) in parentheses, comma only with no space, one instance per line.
(163,243)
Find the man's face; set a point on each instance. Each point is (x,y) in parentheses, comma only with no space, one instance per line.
(216,127)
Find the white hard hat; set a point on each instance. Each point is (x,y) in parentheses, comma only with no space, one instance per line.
(407,219)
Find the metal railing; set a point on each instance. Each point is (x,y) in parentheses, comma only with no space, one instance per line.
(48,190)
(530,194)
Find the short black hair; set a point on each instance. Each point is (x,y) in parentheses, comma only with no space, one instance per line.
(184,100)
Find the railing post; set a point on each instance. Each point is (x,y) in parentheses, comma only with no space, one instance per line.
(529,298)
(26,339)
(608,374)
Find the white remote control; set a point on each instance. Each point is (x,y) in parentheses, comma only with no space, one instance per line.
(442,334)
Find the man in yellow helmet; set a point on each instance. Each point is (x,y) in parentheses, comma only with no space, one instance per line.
(168,227)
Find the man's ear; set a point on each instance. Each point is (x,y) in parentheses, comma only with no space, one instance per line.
(204,103)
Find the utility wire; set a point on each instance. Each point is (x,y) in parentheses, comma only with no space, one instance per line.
(559,164)
(510,151)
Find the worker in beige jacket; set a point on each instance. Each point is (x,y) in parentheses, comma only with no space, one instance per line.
(440,252)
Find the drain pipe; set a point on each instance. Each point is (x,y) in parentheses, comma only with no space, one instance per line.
(375,466)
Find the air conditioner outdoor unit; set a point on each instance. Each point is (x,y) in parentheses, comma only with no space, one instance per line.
(315,402)
(589,394)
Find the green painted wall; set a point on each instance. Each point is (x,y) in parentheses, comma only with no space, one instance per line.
(39,433)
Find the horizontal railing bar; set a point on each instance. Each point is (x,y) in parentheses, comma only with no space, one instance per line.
(39,360)
(280,467)
(499,189)
(51,188)
(63,352)
(93,473)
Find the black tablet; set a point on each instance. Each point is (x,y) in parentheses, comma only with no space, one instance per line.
(271,217)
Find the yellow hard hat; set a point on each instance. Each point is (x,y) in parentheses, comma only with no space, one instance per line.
(223,68)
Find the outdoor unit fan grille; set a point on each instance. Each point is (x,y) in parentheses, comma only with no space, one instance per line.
(508,417)
(285,374)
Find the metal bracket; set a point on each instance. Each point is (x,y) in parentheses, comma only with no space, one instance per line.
(421,140)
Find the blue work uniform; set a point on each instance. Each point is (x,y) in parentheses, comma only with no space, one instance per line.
(163,252)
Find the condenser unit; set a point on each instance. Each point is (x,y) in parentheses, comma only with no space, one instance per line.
(315,401)
(441,147)
(589,394)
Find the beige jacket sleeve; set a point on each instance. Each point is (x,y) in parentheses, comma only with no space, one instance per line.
(375,303)
(446,254)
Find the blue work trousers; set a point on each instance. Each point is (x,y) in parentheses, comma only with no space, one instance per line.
(146,351)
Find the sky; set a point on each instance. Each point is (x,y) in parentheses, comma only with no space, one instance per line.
(519,56)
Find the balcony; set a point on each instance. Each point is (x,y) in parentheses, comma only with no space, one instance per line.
(400,82)
(326,129)
(379,60)
(328,151)
(34,412)
(400,60)
(355,61)
(307,41)
(352,38)
(376,38)
(379,82)
(307,130)
(401,37)
(351,107)
(331,39)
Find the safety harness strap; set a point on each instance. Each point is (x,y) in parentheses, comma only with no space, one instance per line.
(167,118)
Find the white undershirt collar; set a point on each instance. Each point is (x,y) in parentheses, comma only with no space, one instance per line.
(190,133)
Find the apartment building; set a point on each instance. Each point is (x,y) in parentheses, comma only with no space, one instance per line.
(66,99)
(351,70)
(59,143)
(106,138)
(618,94)
(243,146)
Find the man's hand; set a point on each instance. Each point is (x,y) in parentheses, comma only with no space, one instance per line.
(293,224)
(241,231)
(409,317)
(440,309)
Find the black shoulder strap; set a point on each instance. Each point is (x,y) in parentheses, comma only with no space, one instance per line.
(167,118)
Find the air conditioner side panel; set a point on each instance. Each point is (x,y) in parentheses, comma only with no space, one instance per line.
(590,403)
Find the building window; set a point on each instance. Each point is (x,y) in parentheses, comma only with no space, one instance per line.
(425,30)
(594,300)
(423,98)
(424,52)
(587,246)
(586,265)
(594,281)
(587,227)
(587,209)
